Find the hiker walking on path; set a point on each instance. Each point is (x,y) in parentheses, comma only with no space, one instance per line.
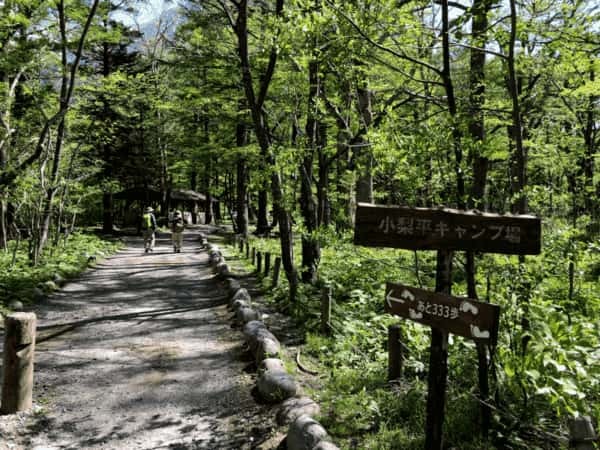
(138,354)
(148,228)
(177,227)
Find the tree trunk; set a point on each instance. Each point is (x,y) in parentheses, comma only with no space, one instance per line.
(217,204)
(3,221)
(590,133)
(48,207)
(452,108)
(476,127)
(518,159)
(107,212)
(438,361)
(286,236)
(241,180)
(4,138)
(518,166)
(107,198)
(324,204)
(262,213)
(256,104)
(242,197)
(362,149)
(345,219)
(66,91)
(3,203)
(311,251)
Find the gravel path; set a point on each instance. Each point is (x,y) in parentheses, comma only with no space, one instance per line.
(138,353)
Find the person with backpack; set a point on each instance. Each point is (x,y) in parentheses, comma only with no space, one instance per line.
(148,228)
(177,226)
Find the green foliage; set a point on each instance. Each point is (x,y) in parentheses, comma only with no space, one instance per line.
(537,390)
(68,259)
(174,116)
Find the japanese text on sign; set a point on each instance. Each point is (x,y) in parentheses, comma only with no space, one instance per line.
(462,316)
(446,229)
(408,226)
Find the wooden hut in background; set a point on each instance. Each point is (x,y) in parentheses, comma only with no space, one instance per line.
(134,200)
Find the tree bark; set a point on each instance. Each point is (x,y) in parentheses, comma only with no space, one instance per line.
(66,91)
(518,160)
(107,212)
(590,136)
(324,204)
(241,197)
(107,198)
(241,138)
(476,128)
(362,149)
(438,362)
(452,107)
(311,251)
(256,103)
(518,164)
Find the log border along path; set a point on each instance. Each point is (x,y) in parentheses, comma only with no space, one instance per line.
(137,353)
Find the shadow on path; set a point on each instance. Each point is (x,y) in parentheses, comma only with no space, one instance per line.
(138,354)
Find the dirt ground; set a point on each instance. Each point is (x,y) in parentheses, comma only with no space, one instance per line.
(138,353)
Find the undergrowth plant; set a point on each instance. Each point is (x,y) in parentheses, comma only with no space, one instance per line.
(541,374)
(19,279)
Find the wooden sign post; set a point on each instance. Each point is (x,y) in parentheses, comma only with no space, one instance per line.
(462,316)
(445,230)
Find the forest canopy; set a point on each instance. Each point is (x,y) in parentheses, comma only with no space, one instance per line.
(285,115)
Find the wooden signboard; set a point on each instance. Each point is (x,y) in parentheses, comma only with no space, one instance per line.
(462,316)
(446,229)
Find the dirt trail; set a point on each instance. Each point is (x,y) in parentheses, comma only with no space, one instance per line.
(138,354)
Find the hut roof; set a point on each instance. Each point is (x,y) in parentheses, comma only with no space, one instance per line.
(151,195)
(187,194)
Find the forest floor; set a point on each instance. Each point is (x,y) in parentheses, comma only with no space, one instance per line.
(139,353)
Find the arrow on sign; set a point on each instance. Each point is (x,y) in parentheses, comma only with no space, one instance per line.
(390,298)
(405,295)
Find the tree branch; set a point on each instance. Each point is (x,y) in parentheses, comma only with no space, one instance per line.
(9,176)
(382,47)
(266,79)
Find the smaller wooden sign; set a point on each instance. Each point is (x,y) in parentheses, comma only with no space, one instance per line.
(462,316)
(446,229)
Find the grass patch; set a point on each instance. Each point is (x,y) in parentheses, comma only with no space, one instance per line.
(534,392)
(19,281)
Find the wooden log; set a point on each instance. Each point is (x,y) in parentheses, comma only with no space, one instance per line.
(276,270)
(253,255)
(267,263)
(326,294)
(19,348)
(583,435)
(258,262)
(394,353)
(247,249)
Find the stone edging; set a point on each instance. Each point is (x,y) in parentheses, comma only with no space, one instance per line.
(274,383)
